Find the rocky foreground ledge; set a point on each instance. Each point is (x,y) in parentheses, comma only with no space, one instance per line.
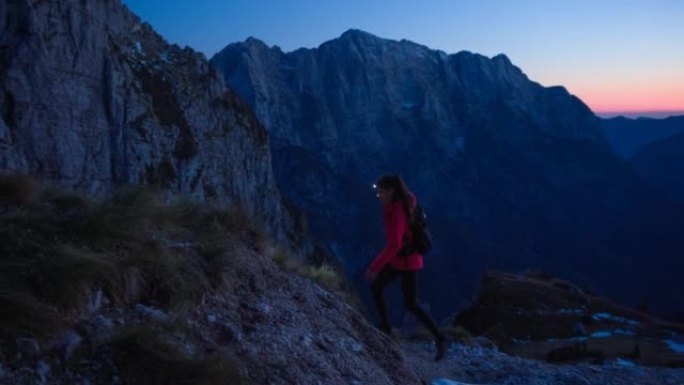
(466,365)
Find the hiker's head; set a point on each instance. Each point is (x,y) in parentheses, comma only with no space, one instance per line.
(389,188)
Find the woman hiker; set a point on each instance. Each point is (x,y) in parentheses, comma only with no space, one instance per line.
(399,207)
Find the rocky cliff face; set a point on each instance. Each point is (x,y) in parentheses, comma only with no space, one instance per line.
(93,98)
(511,174)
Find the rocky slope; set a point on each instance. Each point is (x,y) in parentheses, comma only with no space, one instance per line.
(93,98)
(511,174)
(133,291)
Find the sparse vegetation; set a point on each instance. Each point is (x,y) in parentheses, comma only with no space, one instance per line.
(323,274)
(57,247)
(326,276)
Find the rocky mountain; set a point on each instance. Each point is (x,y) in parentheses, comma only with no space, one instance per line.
(628,136)
(136,288)
(511,174)
(92,98)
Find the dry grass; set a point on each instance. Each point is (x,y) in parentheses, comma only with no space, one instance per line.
(324,274)
(327,276)
(58,247)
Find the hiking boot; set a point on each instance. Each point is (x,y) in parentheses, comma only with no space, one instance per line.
(441,349)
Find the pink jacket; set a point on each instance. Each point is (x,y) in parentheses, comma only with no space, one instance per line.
(396,225)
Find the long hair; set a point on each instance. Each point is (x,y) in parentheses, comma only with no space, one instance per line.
(401,192)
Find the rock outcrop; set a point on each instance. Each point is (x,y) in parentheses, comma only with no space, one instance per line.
(539,316)
(92,98)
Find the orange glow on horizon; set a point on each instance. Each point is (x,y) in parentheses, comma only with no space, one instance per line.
(633,98)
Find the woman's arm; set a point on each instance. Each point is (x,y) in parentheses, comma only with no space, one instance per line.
(394,234)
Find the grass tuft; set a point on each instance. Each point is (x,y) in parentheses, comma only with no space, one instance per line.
(326,276)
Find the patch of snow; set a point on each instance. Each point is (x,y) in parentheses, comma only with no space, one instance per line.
(571,339)
(625,363)
(444,381)
(623,332)
(602,334)
(138,47)
(607,316)
(676,346)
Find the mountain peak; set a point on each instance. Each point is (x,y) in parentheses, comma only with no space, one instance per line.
(253,42)
(502,58)
(358,34)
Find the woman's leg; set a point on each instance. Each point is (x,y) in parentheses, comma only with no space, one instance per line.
(409,287)
(384,278)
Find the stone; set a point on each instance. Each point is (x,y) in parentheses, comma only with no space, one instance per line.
(67,342)
(151,312)
(95,301)
(43,370)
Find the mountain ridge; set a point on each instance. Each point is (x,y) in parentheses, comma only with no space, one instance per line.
(516,174)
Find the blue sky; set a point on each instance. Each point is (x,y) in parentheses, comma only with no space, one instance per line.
(617,56)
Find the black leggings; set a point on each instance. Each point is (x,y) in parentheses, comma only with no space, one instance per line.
(409,287)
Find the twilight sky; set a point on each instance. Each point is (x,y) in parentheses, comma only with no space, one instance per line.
(618,56)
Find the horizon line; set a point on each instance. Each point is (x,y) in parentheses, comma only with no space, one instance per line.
(660,114)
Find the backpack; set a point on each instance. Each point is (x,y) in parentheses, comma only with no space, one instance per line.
(422,239)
